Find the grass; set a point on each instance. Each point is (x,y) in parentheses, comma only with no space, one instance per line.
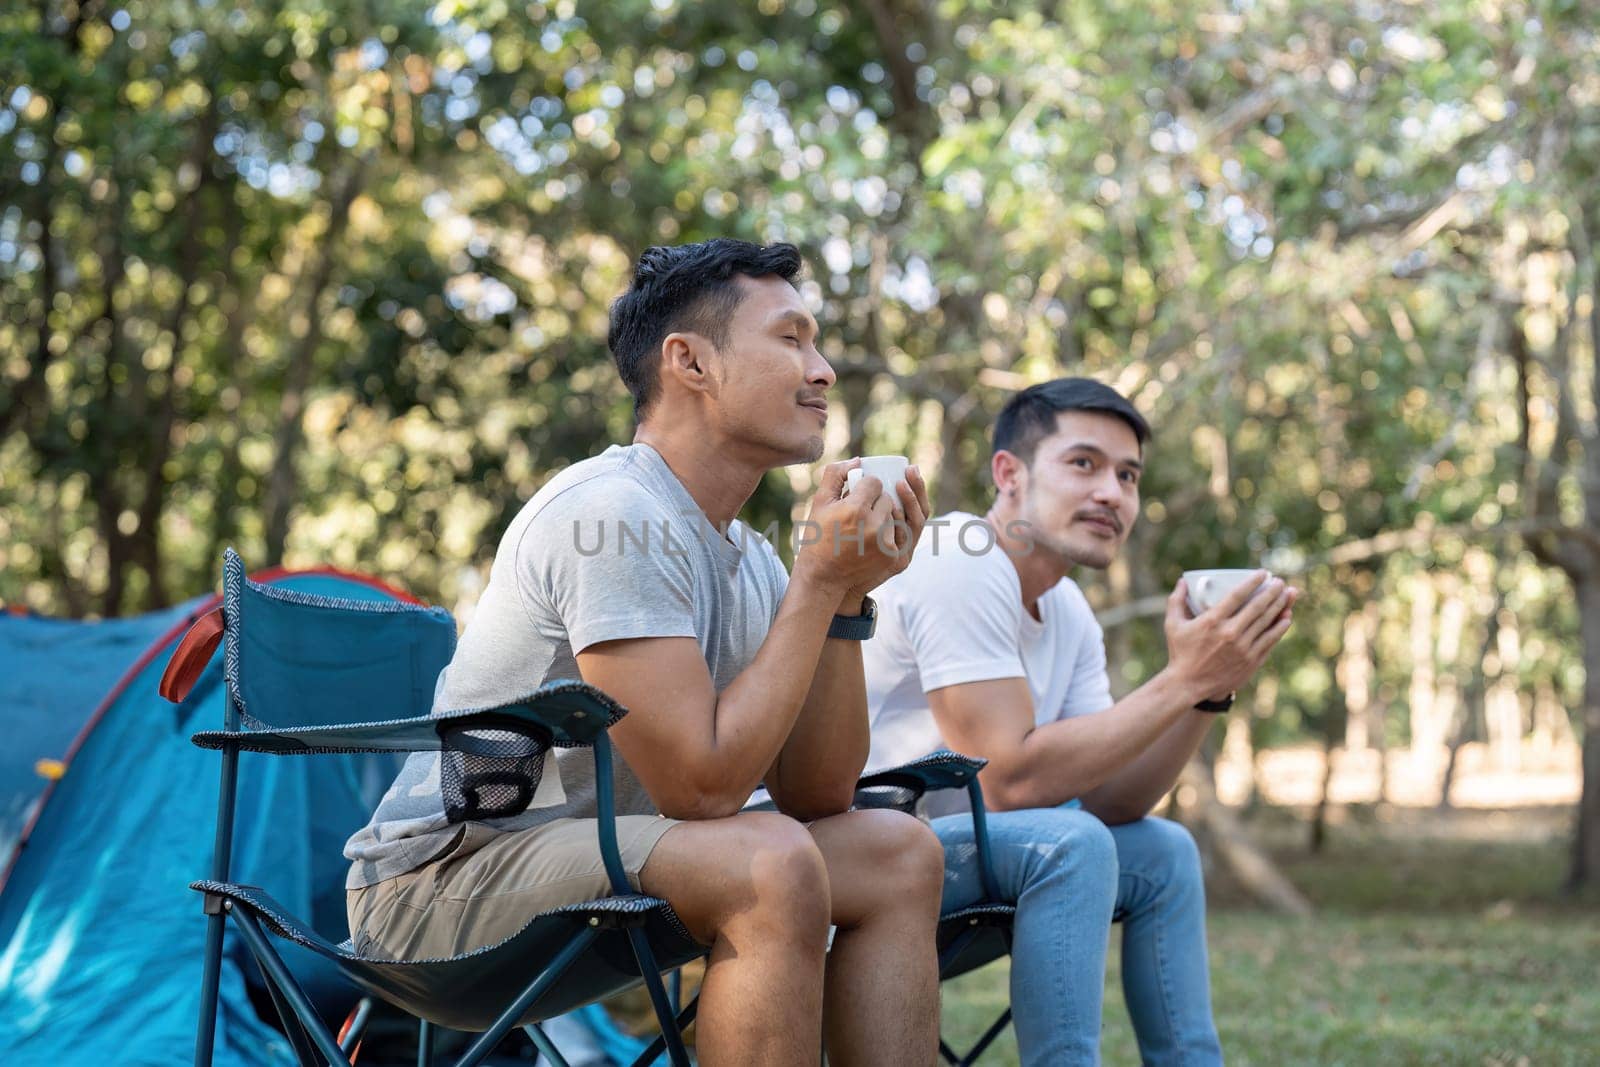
(1437,940)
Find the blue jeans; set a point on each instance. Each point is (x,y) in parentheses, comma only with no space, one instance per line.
(1070,876)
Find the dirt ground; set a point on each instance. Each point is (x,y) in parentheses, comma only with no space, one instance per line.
(1484,779)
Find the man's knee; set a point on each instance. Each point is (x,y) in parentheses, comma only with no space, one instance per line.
(758,870)
(901,852)
(1170,847)
(1076,844)
(1075,836)
(785,871)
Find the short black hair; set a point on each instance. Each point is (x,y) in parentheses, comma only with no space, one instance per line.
(685,288)
(1030,416)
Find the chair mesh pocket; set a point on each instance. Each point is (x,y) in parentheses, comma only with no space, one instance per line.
(489,773)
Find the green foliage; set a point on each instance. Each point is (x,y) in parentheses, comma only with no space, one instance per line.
(329,282)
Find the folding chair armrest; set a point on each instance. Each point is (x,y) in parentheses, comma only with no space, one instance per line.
(938,770)
(264,907)
(935,771)
(420,734)
(575,713)
(572,713)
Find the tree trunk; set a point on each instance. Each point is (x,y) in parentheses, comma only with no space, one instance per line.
(30,401)
(1586,581)
(1504,722)
(1264,705)
(1423,694)
(108,511)
(1586,843)
(1459,735)
(282,483)
(910,117)
(1447,701)
(160,428)
(1473,701)
(1552,726)
(225,499)
(1250,867)
(1238,749)
(1319,818)
(1355,675)
(951,489)
(1380,726)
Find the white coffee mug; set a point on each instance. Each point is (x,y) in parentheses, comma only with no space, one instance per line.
(890,470)
(1208,588)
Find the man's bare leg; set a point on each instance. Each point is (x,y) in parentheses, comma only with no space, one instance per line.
(754,888)
(885,878)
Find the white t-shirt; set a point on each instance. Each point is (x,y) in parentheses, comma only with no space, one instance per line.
(956,616)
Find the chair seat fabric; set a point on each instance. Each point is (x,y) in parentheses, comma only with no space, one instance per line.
(468,992)
(992,923)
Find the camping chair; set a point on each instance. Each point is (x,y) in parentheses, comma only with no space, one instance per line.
(968,937)
(299,668)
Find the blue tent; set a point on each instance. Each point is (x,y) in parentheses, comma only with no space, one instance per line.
(100,938)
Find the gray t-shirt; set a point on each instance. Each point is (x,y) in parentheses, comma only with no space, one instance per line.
(613,547)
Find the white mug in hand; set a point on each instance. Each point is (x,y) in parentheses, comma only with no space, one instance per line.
(1208,588)
(890,470)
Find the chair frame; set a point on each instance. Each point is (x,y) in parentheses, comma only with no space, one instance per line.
(254,914)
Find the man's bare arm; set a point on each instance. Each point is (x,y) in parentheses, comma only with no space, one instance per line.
(1133,790)
(816,771)
(1042,766)
(1130,753)
(700,754)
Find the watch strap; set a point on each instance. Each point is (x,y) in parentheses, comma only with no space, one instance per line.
(856,627)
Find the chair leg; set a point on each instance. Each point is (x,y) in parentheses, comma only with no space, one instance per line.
(277,974)
(537,988)
(546,1047)
(665,1014)
(210,984)
(356,1025)
(656,1047)
(305,1052)
(955,948)
(424,1043)
(216,919)
(994,1031)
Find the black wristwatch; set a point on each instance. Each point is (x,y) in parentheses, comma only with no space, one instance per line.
(1215,705)
(856,627)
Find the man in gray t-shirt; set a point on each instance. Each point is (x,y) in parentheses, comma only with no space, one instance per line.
(610,549)
(629,571)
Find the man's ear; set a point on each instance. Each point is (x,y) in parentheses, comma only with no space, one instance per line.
(1009,472)
(687,358)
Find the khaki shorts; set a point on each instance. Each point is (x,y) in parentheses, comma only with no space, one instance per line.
(488,884)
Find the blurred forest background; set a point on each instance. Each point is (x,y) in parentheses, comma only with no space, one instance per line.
(328,282)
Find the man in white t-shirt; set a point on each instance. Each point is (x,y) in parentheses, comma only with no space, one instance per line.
(986,646)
